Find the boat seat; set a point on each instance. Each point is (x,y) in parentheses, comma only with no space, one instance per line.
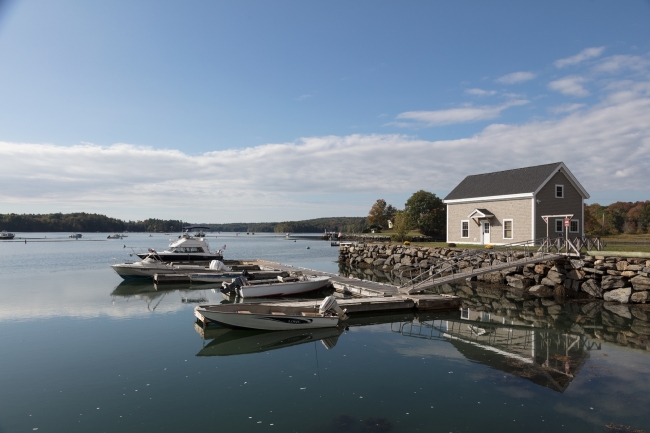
(244,312)
(278,313)
(311,314)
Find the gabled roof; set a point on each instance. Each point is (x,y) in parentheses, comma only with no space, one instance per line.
(518,182)
(480,213)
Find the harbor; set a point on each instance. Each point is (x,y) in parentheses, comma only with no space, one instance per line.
(140,342)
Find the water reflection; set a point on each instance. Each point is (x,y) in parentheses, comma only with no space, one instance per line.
(153,294)
(226,342)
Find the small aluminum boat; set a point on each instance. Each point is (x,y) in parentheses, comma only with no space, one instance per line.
(274,317)
(282,286)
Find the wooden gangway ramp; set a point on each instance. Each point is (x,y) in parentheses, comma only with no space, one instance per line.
(367,296)
(451,274)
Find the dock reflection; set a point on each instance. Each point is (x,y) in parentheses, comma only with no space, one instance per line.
(153,294)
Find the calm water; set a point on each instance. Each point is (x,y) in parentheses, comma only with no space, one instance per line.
(82,351)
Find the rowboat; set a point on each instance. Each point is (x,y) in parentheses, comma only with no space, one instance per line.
(273,317)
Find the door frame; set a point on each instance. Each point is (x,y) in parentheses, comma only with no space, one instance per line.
(483,223)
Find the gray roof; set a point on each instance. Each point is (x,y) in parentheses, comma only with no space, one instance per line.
(517,181)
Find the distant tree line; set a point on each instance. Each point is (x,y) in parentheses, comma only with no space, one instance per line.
(82,222)
(617,218)
(319,225)
(87,222)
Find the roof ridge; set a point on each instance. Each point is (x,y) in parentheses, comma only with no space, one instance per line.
(515,169)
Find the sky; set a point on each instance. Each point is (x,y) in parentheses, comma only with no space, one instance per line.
(260,111)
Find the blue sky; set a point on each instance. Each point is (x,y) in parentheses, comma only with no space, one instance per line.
(266,111)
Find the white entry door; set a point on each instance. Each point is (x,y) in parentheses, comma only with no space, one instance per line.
(486,232)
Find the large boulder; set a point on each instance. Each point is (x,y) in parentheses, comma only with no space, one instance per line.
(610,282)
(618,295)
(547,282)
(640,283)
(592,288)
(541,269)
(556,277)
(492,277)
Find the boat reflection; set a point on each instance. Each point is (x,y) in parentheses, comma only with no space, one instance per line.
(149,292)
(227,342)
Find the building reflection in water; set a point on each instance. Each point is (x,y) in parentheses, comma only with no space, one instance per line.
(546,357)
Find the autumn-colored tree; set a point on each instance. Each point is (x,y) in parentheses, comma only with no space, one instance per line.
(380,213)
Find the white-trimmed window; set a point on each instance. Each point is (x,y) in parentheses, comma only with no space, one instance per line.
(559,191)
(507,229)
(464,229)
(559,225)
(574,226)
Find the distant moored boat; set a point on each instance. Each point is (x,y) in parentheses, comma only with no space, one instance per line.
(5,236)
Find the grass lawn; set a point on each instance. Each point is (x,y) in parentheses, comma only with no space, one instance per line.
(623,242)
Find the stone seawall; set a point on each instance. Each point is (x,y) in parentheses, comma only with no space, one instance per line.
(618,279)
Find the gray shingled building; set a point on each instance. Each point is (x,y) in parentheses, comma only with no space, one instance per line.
(507,206)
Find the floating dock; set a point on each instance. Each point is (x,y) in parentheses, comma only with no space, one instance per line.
(362,297)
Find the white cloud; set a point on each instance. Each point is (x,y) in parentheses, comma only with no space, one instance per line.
(480,92)
(587,53)
(566,108)
(303,97)
(516,77)
(570,85)
(606,146)
(619,63)
(454,115)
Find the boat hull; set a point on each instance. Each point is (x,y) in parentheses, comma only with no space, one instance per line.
(269,322)
(133,272)
(282,289)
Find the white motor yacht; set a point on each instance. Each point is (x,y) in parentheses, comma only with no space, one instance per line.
(188,248)
(5,236)
(115,236)
(76,236)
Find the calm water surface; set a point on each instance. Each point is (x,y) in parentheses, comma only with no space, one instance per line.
(82,351)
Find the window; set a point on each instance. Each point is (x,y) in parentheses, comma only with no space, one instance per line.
(464,313)
(575,226)
(464,229)
(507,229)
(559,226)
(559,191)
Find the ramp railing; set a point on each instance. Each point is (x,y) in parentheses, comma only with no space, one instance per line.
(499,257)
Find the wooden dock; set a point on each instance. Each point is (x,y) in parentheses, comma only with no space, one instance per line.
(362,297)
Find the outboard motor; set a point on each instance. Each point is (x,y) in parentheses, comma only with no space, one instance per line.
(329,304)
(216,265)
(231,289)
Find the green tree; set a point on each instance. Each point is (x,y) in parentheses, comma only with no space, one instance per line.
(426,212)
(401,225)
